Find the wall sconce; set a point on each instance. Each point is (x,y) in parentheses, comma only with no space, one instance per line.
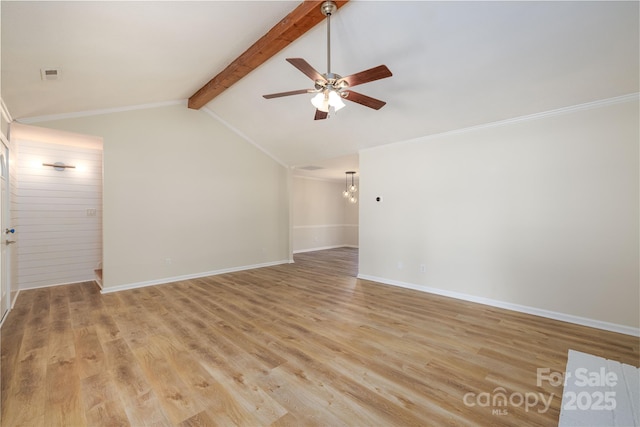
(59,166)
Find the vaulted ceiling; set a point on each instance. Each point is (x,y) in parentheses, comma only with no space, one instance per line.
(455,64)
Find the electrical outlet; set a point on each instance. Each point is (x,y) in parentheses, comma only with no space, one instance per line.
(400,265)
(423,268)
(167,261)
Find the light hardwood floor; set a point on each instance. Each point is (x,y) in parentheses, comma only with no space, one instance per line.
(298,344)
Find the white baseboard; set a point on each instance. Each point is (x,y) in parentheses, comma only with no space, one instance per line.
(92,279)
(13,301)
(322,248)
(164,280)
(598,324)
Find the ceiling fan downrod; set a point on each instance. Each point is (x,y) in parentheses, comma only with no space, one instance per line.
(327,8)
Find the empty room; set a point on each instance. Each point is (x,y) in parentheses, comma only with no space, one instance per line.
(349,213)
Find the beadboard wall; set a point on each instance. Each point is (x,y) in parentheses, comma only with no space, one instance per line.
(58,214)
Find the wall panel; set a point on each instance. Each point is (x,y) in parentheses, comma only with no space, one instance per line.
(58,214)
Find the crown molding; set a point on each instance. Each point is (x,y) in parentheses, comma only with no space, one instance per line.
(242,135)
(64,116)
(530,117)
(340,180)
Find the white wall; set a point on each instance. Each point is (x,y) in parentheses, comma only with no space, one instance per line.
(57,214)
(322,218)
(539,213)
(184,196)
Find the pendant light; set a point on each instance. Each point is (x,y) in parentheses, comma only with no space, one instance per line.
(349,192)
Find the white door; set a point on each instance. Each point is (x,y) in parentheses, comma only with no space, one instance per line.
(5,231)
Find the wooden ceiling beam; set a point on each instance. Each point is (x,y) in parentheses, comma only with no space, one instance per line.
(304,17)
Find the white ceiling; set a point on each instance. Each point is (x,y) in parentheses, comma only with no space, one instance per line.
(454,64)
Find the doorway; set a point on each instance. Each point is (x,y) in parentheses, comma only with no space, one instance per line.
(7,232)
(321,216)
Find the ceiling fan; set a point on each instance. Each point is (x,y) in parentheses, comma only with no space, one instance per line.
(330,88)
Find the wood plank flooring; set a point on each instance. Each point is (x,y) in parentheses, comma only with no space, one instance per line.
(299,344)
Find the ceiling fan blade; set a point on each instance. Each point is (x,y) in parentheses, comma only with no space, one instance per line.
(375,73)
(320,115)
(293,92)
(307,69)
(365,100)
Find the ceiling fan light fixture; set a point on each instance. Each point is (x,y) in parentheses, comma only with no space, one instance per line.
(326,99)
(321,102)
(335,100)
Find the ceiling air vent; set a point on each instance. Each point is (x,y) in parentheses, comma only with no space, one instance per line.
(50,73)
(310,168)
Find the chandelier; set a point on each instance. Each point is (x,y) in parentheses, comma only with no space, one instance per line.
(349,192)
